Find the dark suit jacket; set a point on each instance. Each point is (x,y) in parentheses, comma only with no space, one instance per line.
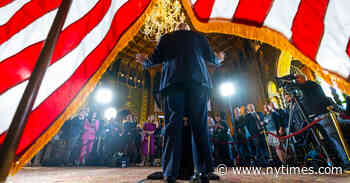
(183,55)
(253,124)
(314,100)
(239,124)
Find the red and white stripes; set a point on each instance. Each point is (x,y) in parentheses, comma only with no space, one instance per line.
(320,29)
(91,31)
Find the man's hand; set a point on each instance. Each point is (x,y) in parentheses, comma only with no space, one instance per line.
(140,58)
(220,55)
(281,131)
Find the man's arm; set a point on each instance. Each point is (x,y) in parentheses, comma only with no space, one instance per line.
(209,55)
(156,58)
(240,122)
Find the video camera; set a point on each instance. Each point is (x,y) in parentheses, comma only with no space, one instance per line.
(288,83)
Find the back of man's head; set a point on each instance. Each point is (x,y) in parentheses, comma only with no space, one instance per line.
(182,26)
(251,108)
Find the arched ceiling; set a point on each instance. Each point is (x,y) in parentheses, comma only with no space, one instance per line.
(235,48)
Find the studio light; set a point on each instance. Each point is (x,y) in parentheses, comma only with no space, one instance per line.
(227,89)
(110,113)
(103,96)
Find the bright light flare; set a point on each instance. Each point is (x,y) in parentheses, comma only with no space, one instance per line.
(227,89)
(103,96)
(110,113)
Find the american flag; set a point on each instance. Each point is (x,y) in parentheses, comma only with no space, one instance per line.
(319,29)
(92,30)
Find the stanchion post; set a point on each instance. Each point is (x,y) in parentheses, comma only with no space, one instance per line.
(340,133)
(267,143)
(149,149)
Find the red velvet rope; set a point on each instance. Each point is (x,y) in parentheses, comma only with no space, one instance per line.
(280,137)
(344,116)
(298,132)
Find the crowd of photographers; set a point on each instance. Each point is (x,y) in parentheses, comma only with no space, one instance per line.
(248,146)
(256,135)
(87,140)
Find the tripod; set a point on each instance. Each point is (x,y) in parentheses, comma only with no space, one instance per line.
(295,107)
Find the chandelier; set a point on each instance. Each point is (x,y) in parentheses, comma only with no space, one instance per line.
(163,18)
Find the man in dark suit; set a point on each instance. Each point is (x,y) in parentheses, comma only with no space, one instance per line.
(185,85)
(254,120)
(240,137)
(72,131)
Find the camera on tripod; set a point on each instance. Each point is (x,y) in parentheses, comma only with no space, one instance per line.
(288,83)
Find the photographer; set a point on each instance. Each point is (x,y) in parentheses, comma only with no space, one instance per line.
(130,135)
(314,103)
(223,139)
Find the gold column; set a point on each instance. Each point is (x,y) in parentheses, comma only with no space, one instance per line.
(129,104)
(144,106)
(283,64)
(151,99)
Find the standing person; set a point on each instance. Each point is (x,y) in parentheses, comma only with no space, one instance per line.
(149,127)
(223,140)
(314,103)
(158,140)
(185,85)
(72,131)
(254,120)
(91,126)
(282,115)
(130,135)
(110,136)
(273,124)
(140,136)
(248,137)
(240,137)
(121,140)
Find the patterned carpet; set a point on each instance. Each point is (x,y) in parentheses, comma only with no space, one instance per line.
(137,174)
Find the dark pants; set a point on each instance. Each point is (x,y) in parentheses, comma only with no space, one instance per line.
(131,149)
(186,168)
(192,101)
(243,152)
(72,149)
(330,133)
(260,150)
(223,152)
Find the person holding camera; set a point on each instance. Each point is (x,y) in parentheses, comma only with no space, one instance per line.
(314,103)
(223,140)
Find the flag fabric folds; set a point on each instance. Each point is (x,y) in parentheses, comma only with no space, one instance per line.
(93,31)
(317,32)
